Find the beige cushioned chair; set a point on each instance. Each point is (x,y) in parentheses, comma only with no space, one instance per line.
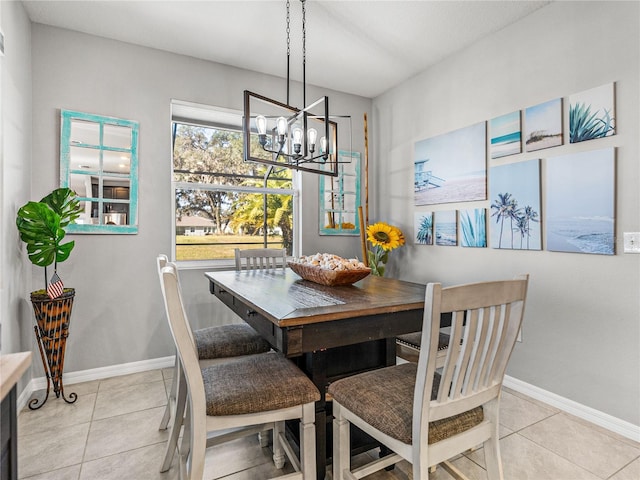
(214,344)
(427,417)
(228,400)
(408,347)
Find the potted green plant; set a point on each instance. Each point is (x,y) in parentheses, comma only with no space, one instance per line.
(41,226)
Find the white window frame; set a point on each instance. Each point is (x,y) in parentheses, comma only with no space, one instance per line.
(219,117)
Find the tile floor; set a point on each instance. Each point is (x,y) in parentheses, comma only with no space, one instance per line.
(111,432)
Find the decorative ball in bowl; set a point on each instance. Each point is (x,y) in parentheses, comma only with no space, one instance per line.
(328,269)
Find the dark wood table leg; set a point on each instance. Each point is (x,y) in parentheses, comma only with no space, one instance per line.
(390,351)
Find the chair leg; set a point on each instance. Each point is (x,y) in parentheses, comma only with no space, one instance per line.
(341,444)
(263,438)
(492,459)
(178,417)
(185,446)
(278,452)
(196,448)
(492,445)
(172,397)
(308,442)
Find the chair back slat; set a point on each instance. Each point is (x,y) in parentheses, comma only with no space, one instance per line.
(449,368)
(478,354)
(486,318)
(462,374)
(260,258)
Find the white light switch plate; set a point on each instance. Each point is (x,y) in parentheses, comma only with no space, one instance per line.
(631,242)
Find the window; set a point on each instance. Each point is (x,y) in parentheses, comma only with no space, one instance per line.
(221,201)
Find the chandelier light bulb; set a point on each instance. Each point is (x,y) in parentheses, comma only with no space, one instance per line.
(261,124)
(323,145)
(281,125)
(297,139)
(312,136)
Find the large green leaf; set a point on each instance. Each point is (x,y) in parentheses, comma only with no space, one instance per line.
(41,226)
(63,202)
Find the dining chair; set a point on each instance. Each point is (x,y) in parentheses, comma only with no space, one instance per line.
(228,400)
(408,345)
(261,258)
(214,344)
(426,416)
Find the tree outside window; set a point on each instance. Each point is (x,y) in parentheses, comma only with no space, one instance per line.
(223,202)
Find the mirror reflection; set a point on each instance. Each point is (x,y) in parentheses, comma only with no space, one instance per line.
(99,162)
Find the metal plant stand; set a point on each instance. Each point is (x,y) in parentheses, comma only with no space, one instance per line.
(52,330)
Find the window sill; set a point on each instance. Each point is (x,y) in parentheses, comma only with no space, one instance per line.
(208,265)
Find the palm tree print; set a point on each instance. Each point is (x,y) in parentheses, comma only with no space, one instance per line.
(530,215)
(506,208)
(502,210)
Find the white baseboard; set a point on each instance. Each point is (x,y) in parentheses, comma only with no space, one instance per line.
(40,383)
(621,427)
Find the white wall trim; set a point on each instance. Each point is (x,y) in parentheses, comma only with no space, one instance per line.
(616,425)
(40,383)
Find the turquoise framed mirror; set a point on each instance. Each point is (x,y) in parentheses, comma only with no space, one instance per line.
(340,197)
(99,161)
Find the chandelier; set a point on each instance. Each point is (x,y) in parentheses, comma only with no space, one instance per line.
(279,134)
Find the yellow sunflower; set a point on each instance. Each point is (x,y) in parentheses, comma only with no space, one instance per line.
(400,236)
(385,236)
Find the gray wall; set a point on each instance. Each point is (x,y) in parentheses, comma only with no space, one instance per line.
(15,175)
(581,336)
(117,315)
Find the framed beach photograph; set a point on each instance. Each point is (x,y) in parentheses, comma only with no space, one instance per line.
(515,206)
(580,212)
(473,227)
(446,227)
(543,125)
(592,114)
(423,228)
(451,167)
(506,135)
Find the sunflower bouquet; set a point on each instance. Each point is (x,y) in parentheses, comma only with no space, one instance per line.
(383,238)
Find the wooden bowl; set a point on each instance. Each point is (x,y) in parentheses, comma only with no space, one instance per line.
(324,276)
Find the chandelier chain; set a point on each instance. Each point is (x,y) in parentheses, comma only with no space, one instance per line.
(304,32)
(288,46)
(288,29)
(304,52)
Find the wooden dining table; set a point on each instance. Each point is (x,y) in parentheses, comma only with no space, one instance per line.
(329,331)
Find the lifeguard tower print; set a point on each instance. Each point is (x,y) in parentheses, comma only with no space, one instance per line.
(424,176)
(451,167)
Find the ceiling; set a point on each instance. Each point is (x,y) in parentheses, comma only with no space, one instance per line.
(363,47)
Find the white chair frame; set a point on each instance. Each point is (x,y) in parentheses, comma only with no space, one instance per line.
(202,430)
(261,258)
(471,376)
(176,403)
